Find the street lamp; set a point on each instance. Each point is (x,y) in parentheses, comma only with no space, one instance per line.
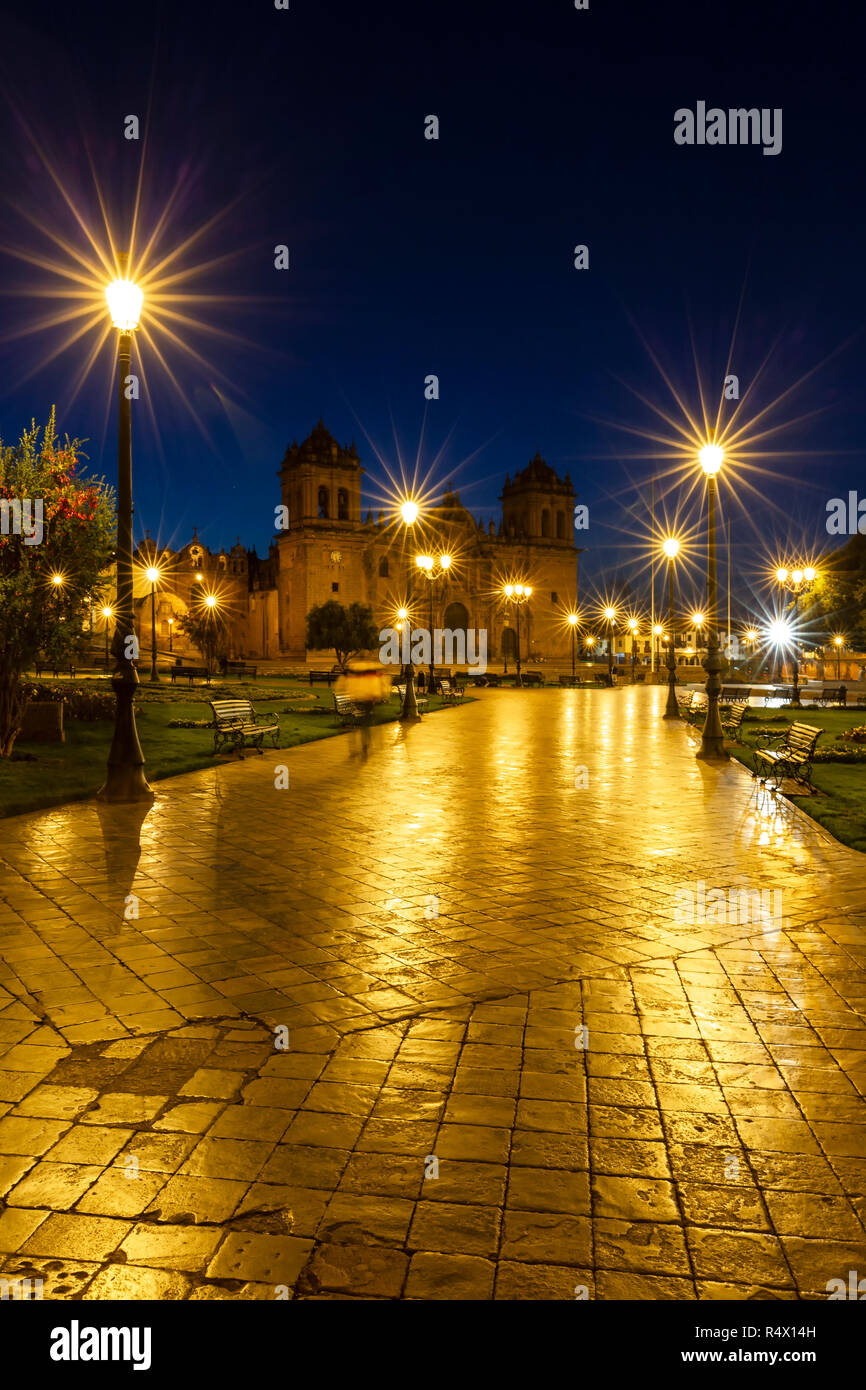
(712,737)
(838,643)
(125,780)
(153,575)
(409,510)
(106,613)
(170,634)
(632,623)
(657,634)
(610,614)
(796,582)
(672,710)
(572,622)
(517,594)
(427,566)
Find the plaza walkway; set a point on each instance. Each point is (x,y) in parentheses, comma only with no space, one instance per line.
(463,1019)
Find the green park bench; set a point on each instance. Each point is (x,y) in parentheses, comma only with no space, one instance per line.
(235,723)
(791,757)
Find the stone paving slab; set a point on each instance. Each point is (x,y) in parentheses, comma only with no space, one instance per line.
(437,1024)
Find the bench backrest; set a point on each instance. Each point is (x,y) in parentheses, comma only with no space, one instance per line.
(737,710)
(445,687)
(342,702)
(232,711)
(801,738)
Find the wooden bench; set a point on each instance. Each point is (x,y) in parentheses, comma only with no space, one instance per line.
(346,710)
(420,700)
(534,678)
(55,667)
(324,677)
(692,705)
(732,717)
(833,695)
(779,692)
(792,757)
(190,671)
(730,693)
(450,692)
(235,722)
(240,668)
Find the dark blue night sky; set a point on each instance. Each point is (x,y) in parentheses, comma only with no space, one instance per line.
(455,257)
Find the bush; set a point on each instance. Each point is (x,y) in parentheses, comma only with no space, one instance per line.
(857,735)
(81,703)
(190,723)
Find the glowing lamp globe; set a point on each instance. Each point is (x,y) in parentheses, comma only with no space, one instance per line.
(838,641)
(152,574)
(781,574)
(210,600)
(124,304)
(610,614)
(809,574)
(445,561)
(711,459)
(632,622)
(402,614)
(572,619)
(508,590)
(797,576)
(779,631)
(106,612)
(657,631)
(671,548)
(526,591)
(409,512)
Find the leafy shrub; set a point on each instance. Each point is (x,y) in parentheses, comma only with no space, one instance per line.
(857,735)
(81,703)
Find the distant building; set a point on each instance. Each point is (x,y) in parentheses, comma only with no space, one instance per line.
(328,549)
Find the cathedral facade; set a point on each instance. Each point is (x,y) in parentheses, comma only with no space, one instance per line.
(328,548)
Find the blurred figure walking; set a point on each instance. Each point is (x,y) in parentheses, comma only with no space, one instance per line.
(366,684)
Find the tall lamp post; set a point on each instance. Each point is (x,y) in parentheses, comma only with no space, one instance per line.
(672,710)
(712,738)
(125,780)
(426,564)
(632,625)
(657,636)
(153,576)
(409,515)
(517,594)
(838,643)
(572,622)
(106,614)
(610,614)
(796,582)
(170,635)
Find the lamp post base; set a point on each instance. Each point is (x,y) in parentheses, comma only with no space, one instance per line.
(126,780)
(410,702)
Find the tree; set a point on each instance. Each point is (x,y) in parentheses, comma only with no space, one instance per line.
(348,630)
(55,524)
(208,631)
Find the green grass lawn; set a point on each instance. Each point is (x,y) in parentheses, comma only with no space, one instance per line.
(841,806)
(75,769)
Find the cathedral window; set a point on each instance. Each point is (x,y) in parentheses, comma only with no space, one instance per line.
(342,505)
(383,567)
(323,504)
(545,522)
(560,526)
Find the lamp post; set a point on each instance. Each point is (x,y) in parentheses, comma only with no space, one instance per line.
(153,575)
(572,622)
(632,624)
(657,634)
(712,738)
(106,614)
(796,582)
(409,515)
(170,635)
(517,594)
(610,614)
(125,780)
(838,643)
(672,710)
(427,566)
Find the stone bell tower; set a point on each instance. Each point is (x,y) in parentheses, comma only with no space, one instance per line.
(320,483)
(538,505)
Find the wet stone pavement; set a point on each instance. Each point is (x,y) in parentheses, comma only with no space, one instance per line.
(440,1023)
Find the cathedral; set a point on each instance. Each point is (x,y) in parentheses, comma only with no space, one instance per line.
(328,549)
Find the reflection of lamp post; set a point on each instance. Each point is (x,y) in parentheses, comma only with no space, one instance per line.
(838,643)
(796,582)
(427,566)
(610,614)
(106,613)
(632,623)
(517,594)
(672,709)
(125,780)
(409,515)
(153,575)
(572,622)
(712,737)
